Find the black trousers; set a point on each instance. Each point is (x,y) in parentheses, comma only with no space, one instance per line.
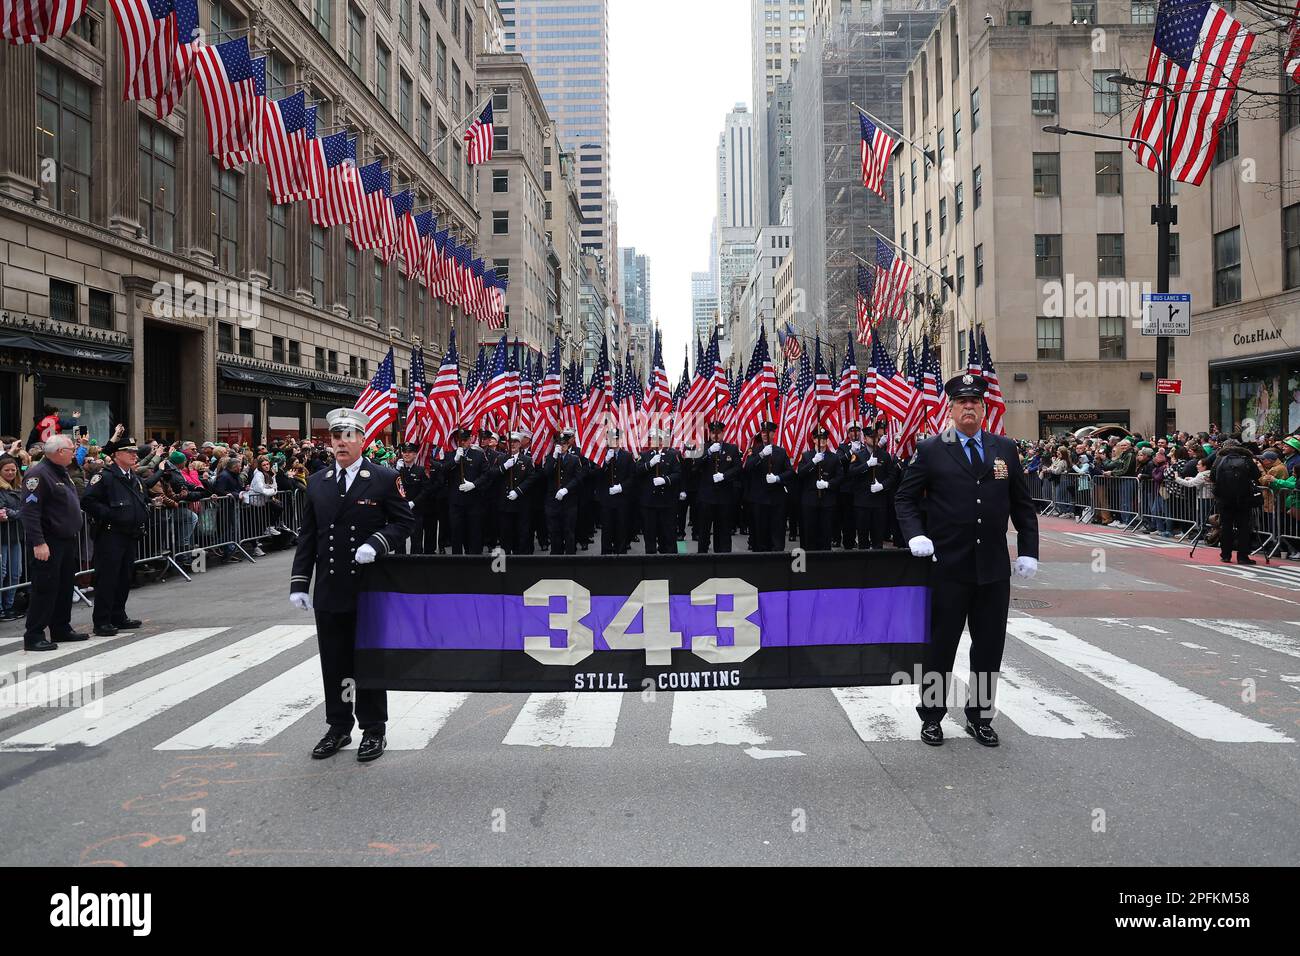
(714,526)
(613,524)
(1234,530)
(517,532)
(114,569)
(817,525)
(873,525)
(660,525)
(336,637)
(769,526)
(466,530)
(562,529)
(954,605)
(50,604)
(845,521)
(682,507)
(417,536)
(542,525)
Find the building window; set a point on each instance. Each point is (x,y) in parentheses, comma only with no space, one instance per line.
(295,353)
(913,177)
(354,367)
(63,301)
(1051,345)
(956,131)
(501,180)
(1047,256)
(442,69)
(943,148)
(456,103)
(500,99)
(382,79)
(322,10)
(426,39)
(915,245)
(929,229)
(975,109)
(356,41)
(961,274)
(1109,173)
(333,362)
(277,349)
(277,234)
(1144,12)
(977,182)
(943,216)
(1290,105)
(979,265)
(350,288)
(157,186)
(225,216)
(1228,145)
(1047,175)
(500,222)
(404,21)
(500,138)
(959,193)
(1291,246)
(1110,255)
(1042,92)
(101,309)
(63,131)
(320,359)
(318,266)
(1175,257)
(379,289)
(246,343)
(1019,18)
(426,122)
(1227,266)
(1105,95)
(400,319)
(405,100)
(1110,337)
(442,146)
(1083,12)
(226,338)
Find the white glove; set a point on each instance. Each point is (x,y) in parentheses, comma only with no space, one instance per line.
(466,486)
(772,479)
(301,600)
(822,485)
(609,454)
(365,555)
(767,450)
(717,477)
(877,487)
(655,460)
(1026,567)
(921,546)
(460,453)
(819,458)
(872,462)
(513,495)
(511,462)
(681,496)
(660,482)
(561,494)
(715,448)
(615,489)
(855,447)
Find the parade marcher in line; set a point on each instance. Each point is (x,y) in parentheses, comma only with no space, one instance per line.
(354,512)
(541,526)
(686,497)
(563,474)
(715,499)
(845,513)
(463,472)
(953,505)
(415,482)
(588,503)
(119,505)
(820,475)
(873,476)
(51,521)
(615,494)
(768,474)
(513,499)
(490,486)
(660,472)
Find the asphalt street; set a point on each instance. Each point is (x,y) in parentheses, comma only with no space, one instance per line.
(1150,713)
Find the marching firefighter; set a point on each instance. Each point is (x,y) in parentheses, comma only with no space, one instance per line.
(820,473)
(769,474)
(660,472)
(615,489)
(514,502)
(562,474)
(719,471)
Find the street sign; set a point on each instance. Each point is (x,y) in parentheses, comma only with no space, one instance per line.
(1169,386)
(1167,313)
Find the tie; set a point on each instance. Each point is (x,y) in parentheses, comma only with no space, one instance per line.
(976,458)
(343,482)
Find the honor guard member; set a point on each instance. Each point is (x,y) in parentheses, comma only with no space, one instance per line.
(517,475)
(464,470)
(615,486)
(690,455)
(954,502)
(416,484)
(660,472)
(820,473)
(51,519)
(872,477)
(119,505)
(845,518)
(769,473)
(488,489)
(563,474)
(715,499)
(355,511)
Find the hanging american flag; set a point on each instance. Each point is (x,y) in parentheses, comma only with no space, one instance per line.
(229,83)
(495,291)
(995,405)
(478,138)
(933,398)
(445,395)
(426,224)
(280,149)
(379,400)
(1198,51)
(864,305)
(889,299)
(189,40)
(373,223)
(147,29)
(419,411)
(1291,61)
(340,194)
(408,236)
(35,21)
(877,146)
(478,290)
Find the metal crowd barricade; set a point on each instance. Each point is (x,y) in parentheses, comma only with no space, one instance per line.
(1284,518)
(263,516)
(1116,499)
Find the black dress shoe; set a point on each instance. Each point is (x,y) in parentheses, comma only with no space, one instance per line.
(329,745)
(102,630)
(932,733)
(372,747)
(1250,561)
(984,735)
(1226,558)
(41,645)
(70,636)
(127,625)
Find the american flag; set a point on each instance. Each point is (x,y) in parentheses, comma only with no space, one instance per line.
(419,411)
(996,406)
(903,431)
(695,393)
(600,394)
(35,21)
(893,395)
(789,343)
(472,413)
(845,407)
(877,146)
(974,364)
(477,291)
(379,400)
(312,156)
(373,223)
(757,395)
(501,390)
(464,278)
(147,29)
(549,398)
(864,305)
(660,398)
(340,186)
(625,406)
(933,396)
(280,149)
(522,413)
(1198,51)
(478,138)
(889,300)
(445,395)
(1291,64)
(408,236)
(683,427)
(189,38)
(426,224)
(574,400)
(228,85)
(792,411)
(495,288)
(721,385)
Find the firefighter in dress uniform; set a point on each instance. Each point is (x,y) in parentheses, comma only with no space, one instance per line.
(615,487)
(660,472)
(119,505)
(464,471)
(416,482)
(872,476)
(769,473)
(820,473)
(517,474)
(562,474)
(715,499)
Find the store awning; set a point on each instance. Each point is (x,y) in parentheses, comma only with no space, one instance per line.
(98,352)
(251,377)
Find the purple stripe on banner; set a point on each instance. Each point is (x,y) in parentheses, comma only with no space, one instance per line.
(391,621)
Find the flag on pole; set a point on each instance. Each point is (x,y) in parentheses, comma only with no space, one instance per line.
(1291,62)
(419,412)
(996,406)
(549,399)
(189,40)
(227,79)
(792,406)
(877,147)
(660,398)
(372,226)
(478,138)
(280,148)
(147,29)
(974,361)
(892,394)
(501,388)
(889,300)
(864,305)
(591,425)
(789,343)
(379,400)
(445,396)
(340,191)
(35,21)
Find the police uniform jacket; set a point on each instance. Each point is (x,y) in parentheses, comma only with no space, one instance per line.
(669,468)
(830,470)
(725,462)
(415,482)
(618,470)
(473,466)
(520,477)
(51,509)
(757,468)
(373,512)
(562,471)
(117,502)
(862,476)
(964,509)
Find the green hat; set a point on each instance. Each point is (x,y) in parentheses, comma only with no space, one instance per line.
(1209,449)
(1293,442)
(1144,444)
(177,458)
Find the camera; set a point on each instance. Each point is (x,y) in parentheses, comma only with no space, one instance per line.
(988,19)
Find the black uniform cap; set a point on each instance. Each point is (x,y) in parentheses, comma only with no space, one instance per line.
(966,386)
(409,446)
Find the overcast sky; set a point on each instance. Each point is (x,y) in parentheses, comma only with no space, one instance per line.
(676,69)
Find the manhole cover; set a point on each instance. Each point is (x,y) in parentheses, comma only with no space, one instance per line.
(1024,604)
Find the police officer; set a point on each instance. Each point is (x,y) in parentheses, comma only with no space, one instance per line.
(660,472)
(563,474)
(846,520)
(615,487)
(119,505)
(463,471)
(715,499)
(51,518)
(514,501)
(768,473)
(820,474)
(354,512)
(954,502)
(416,484)
(872,477)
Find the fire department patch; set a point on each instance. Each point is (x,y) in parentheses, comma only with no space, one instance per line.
(400,490)
(96,479)
(32,484)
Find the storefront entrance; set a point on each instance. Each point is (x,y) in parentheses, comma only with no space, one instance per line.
(1257,397)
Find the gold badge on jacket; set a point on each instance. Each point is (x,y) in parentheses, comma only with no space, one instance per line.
(999,468)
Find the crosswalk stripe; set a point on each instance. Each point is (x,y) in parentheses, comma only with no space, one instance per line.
(257,716)
(887,712)
(414,718)
(15,660)
(717,717)
(1197,715)
(566,720)
(1252,634)
(37,690)
(1119,541)
(133,705)
(1042,711)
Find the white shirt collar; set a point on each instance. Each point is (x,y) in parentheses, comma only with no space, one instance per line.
(353,468)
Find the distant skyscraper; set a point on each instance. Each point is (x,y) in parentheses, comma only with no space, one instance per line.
(777,36)
(704,305)
(634,274)
(569,56)
(736,171)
